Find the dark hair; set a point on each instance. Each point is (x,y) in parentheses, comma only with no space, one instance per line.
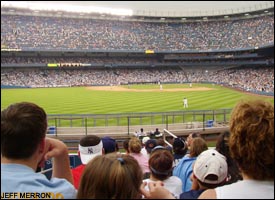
(126,145)
(109,144)
(89,140)
(180,146)
(23,127)
(222,143)
(211,186)
(222,147)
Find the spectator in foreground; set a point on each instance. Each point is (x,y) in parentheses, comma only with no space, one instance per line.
(24,147)
(111,176)
(184,168)
(161,167)
(89,147)
(251,144)
(210,171)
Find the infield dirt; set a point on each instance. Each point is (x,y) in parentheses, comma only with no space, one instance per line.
(123,89)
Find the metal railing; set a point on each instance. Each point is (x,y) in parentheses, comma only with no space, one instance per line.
(127,123)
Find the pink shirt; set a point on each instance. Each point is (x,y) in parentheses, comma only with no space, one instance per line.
(142,161)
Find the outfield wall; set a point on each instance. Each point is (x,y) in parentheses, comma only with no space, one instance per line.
(126,124)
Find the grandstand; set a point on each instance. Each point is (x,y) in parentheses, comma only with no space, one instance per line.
(45,49)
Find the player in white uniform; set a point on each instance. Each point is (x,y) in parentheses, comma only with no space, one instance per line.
(185,103)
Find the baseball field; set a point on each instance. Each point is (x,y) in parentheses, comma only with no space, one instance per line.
(127,99)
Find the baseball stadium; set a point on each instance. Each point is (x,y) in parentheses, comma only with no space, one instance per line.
(111,74)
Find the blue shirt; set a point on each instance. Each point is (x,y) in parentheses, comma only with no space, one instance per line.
(183,170)
(20,181)
(192,194)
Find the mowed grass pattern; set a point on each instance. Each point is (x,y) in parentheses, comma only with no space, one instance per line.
(80,100)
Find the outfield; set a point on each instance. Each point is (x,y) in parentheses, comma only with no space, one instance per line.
(134,98)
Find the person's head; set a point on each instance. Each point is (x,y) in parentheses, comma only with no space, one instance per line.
(126,145)
(179,146)
(161,142)
(222,147)
(210,169)
(23,129)
(135,145)
(251,141)
(161,163)
(222,143)
(111,176)
(198,145)
(144,140)
(150,144)
(89,147)
(109,144)
(190,138)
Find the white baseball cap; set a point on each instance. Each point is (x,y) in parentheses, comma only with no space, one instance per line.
(145,139)
(89,147)
(210,162)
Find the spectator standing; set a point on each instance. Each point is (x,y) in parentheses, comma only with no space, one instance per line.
(24,147)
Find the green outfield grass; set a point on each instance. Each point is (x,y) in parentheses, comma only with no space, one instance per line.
(81,100)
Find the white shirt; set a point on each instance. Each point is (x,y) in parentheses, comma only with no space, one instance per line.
(173,184)
(185,101)
(246,189)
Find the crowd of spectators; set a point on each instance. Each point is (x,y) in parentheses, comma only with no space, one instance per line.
(260,79)
(44,33)
(78,59)
(202,173)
